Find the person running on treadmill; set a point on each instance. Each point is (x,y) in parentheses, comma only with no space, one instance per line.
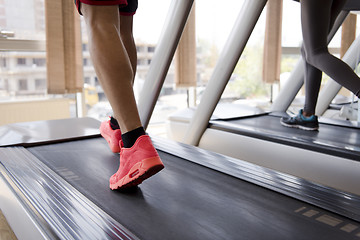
(317,19)
(113,52)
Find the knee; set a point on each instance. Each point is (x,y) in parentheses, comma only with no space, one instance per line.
(313,57)
(100,17)
(303,53)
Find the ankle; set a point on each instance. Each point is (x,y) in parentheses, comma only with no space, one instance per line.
(306,114)
(114,124)
(129,138)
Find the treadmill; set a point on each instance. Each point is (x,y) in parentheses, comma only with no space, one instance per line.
(54,181)
(54,185)
(329,157)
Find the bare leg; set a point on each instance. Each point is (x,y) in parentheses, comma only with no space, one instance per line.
(126,33)
(113,53)
(112,63)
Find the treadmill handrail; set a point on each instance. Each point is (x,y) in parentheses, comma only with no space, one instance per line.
(242,29)
(164,52)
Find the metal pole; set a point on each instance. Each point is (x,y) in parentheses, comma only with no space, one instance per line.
(291,88)
(331,88)
(296,79)
(80,104)
(227,61)
(174,25)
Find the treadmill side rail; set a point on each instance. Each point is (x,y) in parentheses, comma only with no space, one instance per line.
(58,208)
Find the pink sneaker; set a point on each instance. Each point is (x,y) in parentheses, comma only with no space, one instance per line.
(112,136)
(137,163)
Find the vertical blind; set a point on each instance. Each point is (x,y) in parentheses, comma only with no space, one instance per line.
(63,47)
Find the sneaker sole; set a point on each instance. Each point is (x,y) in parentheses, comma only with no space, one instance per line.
(115,148)
(299,127)
(139,172)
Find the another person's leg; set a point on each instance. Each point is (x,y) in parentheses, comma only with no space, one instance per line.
(313,75)
(312,82)
(306,119)
(316,19)
(115,70)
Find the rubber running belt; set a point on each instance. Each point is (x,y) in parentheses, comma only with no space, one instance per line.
(341,141)
(190,201)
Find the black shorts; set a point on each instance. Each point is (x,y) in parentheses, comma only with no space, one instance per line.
(126,7)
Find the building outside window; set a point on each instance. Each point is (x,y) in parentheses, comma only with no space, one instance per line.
(39,62)
(40,84)
(151,49)
(3,63)
(21,61)
(22,85)
(24,73)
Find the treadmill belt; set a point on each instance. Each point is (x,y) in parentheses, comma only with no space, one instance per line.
(331,139)
(189,201)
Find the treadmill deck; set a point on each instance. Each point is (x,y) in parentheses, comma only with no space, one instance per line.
(206,197)
(334,139)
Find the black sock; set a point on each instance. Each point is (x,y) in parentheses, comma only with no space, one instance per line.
(114,124)
(130,137)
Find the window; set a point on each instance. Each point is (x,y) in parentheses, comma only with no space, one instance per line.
(21,61)
(3,63)
(40,62)
(6,84)
(40,84)
(140,49)
(22,85)
(3,87)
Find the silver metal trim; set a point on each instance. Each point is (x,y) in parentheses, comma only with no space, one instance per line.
(24,227)
(235,44)
(174,25)
(63,211)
